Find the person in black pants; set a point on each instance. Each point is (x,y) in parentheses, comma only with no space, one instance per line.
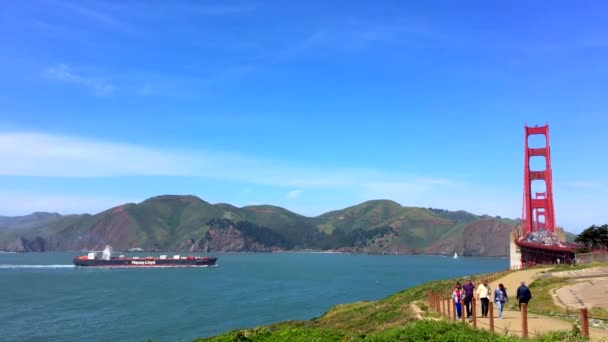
(469,290)
(523,294)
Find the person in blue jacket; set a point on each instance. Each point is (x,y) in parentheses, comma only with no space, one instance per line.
(500,298)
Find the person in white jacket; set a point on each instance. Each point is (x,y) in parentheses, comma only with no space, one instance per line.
(483,295)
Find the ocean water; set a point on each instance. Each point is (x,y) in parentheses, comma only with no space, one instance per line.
(44,298)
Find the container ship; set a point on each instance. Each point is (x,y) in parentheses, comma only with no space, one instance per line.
(106,259)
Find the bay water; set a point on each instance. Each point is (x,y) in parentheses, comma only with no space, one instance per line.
(44,298)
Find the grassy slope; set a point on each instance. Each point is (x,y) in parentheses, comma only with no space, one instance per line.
(432,331)
(366,215)
(165,221)
(300,230)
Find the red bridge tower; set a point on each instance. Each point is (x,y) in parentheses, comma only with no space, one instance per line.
(537,212)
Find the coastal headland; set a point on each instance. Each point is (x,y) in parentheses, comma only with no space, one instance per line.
(406,315)
(188,223)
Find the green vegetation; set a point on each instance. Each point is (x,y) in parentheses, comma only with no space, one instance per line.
(413,331)
(438,331)
(257,233)
(355,238)
(594,237)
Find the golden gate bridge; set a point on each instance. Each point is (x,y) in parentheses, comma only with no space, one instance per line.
(537,240)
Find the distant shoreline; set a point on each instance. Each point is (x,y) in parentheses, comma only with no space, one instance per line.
(253,252)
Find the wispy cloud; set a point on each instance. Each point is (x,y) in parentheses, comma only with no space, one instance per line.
(63,73)
(51,155)
(103,17)
(48,155)
(356,34)
(294,194)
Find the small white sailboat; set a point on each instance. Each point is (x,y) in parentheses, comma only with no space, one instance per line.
(455,255)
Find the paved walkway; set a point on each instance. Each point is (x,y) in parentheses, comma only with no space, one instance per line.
(589,289)
(512,325)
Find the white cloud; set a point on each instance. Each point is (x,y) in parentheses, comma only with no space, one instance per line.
(294,194)
(33,154)
(48,155)
(578,204)
(63,73)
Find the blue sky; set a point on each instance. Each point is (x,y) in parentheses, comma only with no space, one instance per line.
(310,105)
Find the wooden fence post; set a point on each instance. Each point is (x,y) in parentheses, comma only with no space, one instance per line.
(474,312)
(437,303)
(524,320)
(463,310)
(443,310)
(449,308)
(491,313)
(585,322)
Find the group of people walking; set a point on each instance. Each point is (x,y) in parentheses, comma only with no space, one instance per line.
(465,293)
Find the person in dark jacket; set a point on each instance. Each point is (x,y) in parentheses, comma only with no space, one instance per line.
(523,294)
(469,290)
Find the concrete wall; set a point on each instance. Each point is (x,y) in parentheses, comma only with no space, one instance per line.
(589,258)
(514,252)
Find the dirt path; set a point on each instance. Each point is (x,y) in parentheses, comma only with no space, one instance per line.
(512,324)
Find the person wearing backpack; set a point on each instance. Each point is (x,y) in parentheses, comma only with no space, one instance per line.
(523,294)
(500,298)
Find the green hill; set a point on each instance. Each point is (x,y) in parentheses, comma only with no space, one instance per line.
(172,222)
